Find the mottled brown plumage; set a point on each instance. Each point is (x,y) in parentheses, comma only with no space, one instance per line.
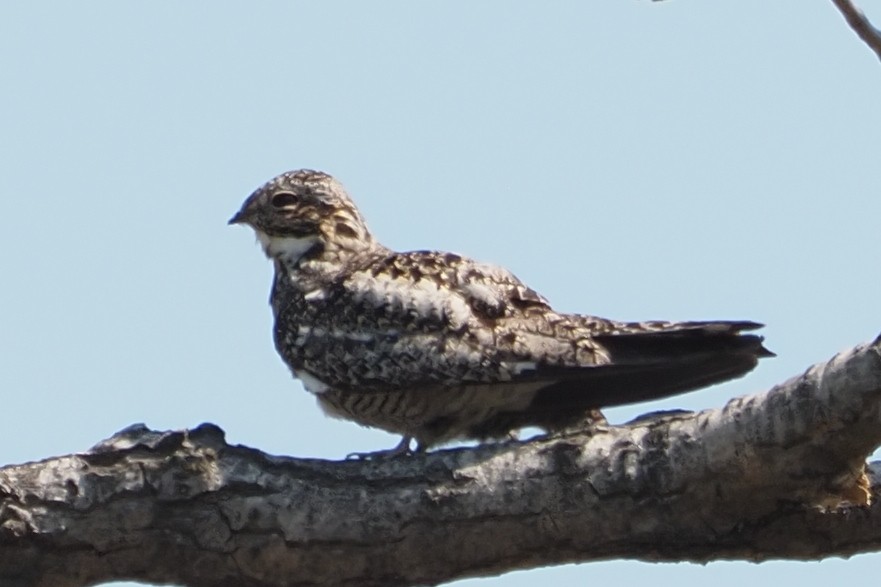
(438,347)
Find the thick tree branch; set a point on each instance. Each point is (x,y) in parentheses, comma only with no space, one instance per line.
(860,24)
(777,475)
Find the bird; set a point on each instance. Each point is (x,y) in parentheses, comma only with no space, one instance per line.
(437,347)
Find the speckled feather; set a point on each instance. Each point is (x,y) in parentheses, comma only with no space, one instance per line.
(436,346)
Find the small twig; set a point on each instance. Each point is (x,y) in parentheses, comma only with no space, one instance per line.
(860,24)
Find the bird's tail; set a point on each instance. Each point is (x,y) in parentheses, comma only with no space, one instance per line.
(683,357)
(652,363)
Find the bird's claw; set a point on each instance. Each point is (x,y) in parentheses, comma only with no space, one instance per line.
(402,448)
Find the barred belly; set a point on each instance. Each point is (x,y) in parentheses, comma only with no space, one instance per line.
(430,415)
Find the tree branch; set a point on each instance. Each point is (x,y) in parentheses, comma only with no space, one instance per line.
(860,24)
(777,475)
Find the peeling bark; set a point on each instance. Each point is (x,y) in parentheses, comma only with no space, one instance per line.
(776,475)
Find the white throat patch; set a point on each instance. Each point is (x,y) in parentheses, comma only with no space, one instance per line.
(288,249)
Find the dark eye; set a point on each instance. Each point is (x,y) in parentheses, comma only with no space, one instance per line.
(282,199)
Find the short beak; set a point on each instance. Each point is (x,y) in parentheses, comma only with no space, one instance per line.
(239,218)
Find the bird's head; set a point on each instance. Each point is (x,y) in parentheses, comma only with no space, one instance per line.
(304,212)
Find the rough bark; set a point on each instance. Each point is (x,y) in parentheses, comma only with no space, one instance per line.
(776,475)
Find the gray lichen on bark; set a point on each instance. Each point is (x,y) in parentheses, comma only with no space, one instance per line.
(775,475)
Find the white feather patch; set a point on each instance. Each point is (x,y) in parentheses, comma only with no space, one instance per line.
(311,383)
(521,366)
(315,294)
(423,297)
(484,293)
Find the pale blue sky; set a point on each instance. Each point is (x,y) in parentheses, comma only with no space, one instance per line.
(680,160)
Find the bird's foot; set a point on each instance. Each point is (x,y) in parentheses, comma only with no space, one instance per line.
(592,422)
(402,448)
(660,415)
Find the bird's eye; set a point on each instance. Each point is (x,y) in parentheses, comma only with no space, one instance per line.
(282,199)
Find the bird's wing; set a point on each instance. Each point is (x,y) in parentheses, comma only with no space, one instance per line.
(639,365)
(429,284)
(415,320)
(422,319)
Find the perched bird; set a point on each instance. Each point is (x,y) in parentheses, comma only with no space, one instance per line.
(438,347)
